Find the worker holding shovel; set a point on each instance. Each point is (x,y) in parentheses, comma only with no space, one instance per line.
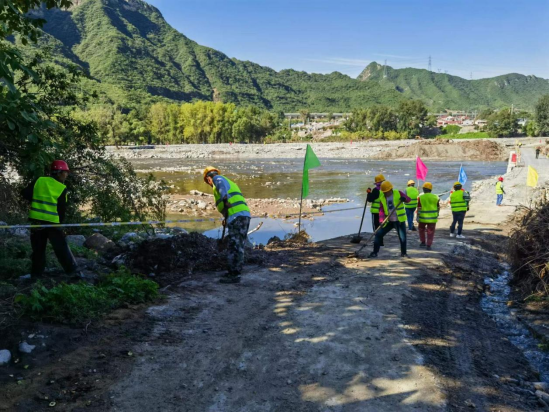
(391,205)
(231,204)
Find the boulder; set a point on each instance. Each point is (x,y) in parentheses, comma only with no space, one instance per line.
(202,205)
(77,240)
(99,243)
(24,347)
(128,237)
(541,386)
(19,232)
(5,357)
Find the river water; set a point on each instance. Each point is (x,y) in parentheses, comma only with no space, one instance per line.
(281,178)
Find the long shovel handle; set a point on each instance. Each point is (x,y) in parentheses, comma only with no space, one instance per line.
(380,226)
(363,214)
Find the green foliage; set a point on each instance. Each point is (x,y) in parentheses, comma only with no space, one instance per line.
(441,91)
(502,124)
(76,303)
(532,129)
(383,122)
(36,128)
(451,129)
(542,115)
(469,135)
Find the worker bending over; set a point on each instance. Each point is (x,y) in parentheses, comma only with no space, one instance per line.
(231,204)
(413,194)
(500,191)
(373,199)
(393,213)
(428,207)
(48,205)
(459,201)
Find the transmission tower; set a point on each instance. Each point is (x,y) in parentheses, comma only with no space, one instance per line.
(385,70)
(471,76)
(445,71)
(429,63)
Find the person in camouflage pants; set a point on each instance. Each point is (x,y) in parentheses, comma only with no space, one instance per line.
(230,202)
(238,233)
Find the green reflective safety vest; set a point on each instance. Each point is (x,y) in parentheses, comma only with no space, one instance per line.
(400,212)
(45,195)
(234,197)
(413,194)
(457,201)
(428,213)
(499,188)
(375,206)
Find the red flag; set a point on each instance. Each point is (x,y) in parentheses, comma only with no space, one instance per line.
(421,170)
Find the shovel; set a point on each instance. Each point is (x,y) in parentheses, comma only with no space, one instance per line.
(358,238)
(220,241)
(355,254)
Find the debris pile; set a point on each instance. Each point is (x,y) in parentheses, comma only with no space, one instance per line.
(528,251)
(182,255)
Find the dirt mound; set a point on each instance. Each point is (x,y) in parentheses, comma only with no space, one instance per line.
(449,150)
(181,256)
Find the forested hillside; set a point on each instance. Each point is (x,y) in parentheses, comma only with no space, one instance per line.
(134,57)
(442,91)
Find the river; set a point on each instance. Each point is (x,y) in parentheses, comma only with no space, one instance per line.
(281,178)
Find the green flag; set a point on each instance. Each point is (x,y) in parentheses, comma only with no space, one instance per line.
(311,161)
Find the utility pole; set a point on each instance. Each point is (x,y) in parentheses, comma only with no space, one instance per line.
(429,63)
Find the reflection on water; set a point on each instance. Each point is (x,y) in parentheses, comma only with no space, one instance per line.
(281,178)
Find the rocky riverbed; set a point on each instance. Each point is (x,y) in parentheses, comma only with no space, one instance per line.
(198,203)
(496,149)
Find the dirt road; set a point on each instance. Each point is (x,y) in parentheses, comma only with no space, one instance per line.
(325,332)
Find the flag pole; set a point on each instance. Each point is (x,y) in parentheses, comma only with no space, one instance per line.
(301,200)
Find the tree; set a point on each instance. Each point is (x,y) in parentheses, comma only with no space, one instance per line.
(36,127)
(502,124)
(412,117)
(305,115)
(381,119)
(542,115)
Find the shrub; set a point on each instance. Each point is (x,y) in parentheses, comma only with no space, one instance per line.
(79,302)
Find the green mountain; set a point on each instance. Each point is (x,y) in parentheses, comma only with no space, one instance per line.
(133,56)
(443,91)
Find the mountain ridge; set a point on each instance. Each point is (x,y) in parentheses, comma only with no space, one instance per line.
(132,55)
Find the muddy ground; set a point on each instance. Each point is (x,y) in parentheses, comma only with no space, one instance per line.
(309,328)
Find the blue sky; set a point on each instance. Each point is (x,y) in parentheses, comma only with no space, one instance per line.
(482,37)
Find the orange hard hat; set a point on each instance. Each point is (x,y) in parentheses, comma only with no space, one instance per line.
(457,184)
(386,186)
(210,169)
(428,185)
(379,179)
(59,165)
(411,182)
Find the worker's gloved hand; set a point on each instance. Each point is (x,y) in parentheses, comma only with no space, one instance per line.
(369,191)
(402,199)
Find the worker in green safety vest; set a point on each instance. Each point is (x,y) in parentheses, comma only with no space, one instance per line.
(232,205)
(500,191)
(413,194)
(48,205)
(394,217)
(459,201)
(428,207)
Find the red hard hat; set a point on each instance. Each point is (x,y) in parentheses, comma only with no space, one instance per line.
(59,165)
(501,179)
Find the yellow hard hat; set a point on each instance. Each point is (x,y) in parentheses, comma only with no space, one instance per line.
(411,182)
(379,178)
(386,186)
(210,169)
(457,184)
(428,185)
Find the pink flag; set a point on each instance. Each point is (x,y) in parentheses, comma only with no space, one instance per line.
(421,170)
